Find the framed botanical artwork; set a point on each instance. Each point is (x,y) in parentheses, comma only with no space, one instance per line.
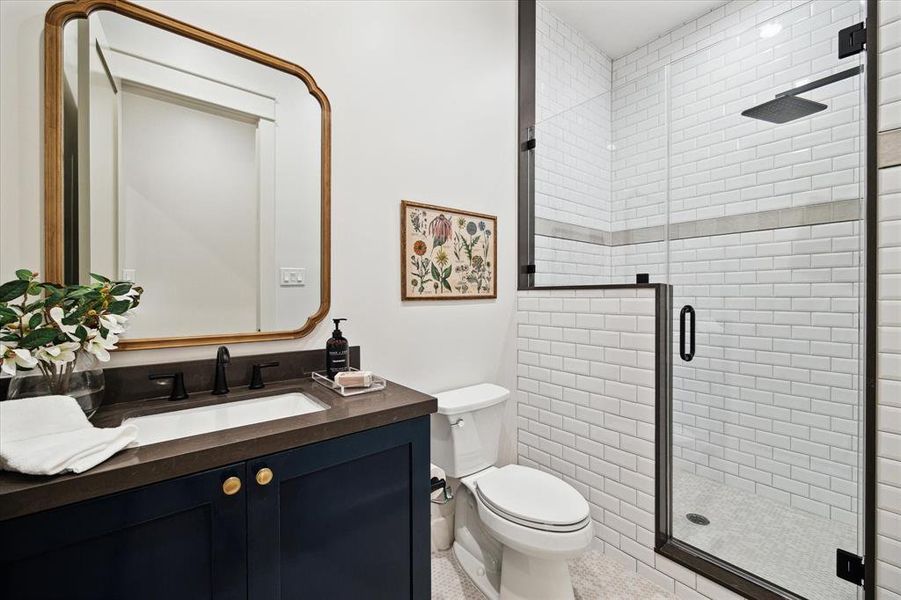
(447,253)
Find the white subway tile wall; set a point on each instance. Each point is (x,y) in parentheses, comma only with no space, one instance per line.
(888,415)
(771,402)
(573,424)
(640,152)
(572,167)
(585,412)
(649,258)
(774,392)
(722,163)
(614,175)
(889,65)
(570,262)
(572,164)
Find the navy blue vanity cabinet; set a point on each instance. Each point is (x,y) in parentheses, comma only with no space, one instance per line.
(345,518)
(183,538)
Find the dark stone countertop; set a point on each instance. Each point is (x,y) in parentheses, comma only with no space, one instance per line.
(26,494)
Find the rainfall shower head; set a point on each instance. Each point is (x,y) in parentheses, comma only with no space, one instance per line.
(784,109)
(787,106)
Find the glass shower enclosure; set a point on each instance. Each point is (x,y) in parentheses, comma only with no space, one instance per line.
(764,255)
(756,221)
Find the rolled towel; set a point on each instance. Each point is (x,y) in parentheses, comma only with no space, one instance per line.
(51,434)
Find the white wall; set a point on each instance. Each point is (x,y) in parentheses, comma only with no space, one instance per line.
(423,96)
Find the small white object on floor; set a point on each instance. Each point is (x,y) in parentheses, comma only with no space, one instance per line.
(442,514)
(48,435)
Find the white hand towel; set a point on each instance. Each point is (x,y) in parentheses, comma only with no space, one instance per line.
(51,434)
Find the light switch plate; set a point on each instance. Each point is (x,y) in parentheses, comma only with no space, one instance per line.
(291,276)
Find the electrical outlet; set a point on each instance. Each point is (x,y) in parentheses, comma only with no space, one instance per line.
(291,276)
(128,275)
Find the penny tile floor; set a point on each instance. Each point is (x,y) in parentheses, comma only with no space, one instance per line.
(595,577)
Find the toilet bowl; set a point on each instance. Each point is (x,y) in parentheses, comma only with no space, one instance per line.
(514,527)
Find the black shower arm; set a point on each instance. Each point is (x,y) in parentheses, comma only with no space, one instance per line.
(821,82)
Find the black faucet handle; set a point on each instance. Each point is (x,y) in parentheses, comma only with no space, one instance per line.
(256,375)
(178,391)
(222,355)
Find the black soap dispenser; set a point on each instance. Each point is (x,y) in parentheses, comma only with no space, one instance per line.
(337,352)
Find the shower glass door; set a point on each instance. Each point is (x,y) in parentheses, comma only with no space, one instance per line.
(764,240)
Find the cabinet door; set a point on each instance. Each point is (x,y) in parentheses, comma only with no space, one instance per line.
(182,538)
(345,518)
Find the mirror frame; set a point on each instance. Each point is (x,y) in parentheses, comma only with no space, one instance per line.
(54,22)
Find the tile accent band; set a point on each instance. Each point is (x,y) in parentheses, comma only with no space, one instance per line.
(814,214)
(889,148)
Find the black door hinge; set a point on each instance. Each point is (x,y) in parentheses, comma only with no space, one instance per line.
(528,269)
(851,40)
(849,566)
(528,144)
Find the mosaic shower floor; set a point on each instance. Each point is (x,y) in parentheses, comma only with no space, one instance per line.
(789,547)
(594,576)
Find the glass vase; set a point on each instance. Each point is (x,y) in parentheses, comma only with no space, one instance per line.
(82,379)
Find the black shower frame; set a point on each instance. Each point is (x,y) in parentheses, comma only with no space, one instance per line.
(734,578)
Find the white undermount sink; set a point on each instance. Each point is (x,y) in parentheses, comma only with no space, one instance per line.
(205,419)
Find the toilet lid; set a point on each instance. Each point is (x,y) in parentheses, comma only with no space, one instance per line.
(533,496)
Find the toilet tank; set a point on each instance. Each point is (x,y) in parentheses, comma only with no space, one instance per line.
(466,429)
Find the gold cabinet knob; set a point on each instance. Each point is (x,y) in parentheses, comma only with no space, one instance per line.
(231,486)
(264,476)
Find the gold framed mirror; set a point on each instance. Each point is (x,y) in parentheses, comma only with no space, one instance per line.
(203,182)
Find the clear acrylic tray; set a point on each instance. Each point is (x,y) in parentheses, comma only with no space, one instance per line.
(378,384)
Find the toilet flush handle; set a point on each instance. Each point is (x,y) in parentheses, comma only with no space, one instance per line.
(458,423)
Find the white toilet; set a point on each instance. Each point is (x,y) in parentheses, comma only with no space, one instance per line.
(515,527)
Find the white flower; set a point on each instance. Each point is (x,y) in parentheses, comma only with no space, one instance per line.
(13,357)
(100,346)
(113,323)
(58,353)
(57,314)
(129,295)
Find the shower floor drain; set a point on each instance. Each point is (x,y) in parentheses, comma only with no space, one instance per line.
(697,519)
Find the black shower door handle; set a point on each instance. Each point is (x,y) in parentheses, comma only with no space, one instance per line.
(690,311)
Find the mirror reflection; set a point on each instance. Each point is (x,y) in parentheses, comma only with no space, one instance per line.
(194,172)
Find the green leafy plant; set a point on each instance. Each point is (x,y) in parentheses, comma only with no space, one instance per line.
(46,326)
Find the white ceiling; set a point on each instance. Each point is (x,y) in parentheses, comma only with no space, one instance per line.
(616,27)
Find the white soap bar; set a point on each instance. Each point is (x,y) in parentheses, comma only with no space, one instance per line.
(354,378)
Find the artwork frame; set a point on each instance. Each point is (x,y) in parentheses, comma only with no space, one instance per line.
(462,244)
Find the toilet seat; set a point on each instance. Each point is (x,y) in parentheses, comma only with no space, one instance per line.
(530,540)
(533,499)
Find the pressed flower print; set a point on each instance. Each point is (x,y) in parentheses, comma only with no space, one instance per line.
(447,254)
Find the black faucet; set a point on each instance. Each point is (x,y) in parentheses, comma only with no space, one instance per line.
(178,391)
(220,385)
(256,376)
